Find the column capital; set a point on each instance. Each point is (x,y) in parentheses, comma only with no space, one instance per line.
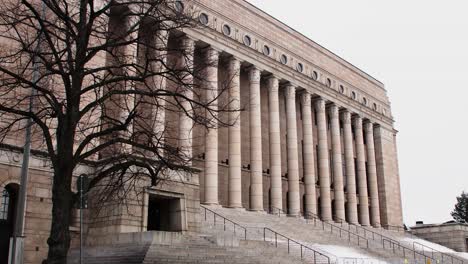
(319,104)
(346,116)
(306,98)
(290,91)
(212,57)
(368,125)
(254,74)
(234,64)
(273,83)
(334,111)
(357,120)
(188,43)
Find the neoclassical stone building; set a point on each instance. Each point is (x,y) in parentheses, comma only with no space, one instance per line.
(315,137)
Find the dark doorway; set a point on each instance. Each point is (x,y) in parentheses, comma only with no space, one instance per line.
(466,244)
(7,219)
(164,214)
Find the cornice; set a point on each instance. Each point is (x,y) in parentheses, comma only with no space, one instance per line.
(217,20)
(289,30)
(246,53)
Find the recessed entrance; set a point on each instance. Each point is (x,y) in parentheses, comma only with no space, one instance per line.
(164,213)
(7,218)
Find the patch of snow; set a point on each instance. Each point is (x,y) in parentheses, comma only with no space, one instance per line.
(462,254)
(348,255)
(428,246)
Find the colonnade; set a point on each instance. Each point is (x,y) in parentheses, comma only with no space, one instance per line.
(329,117)
(335,124)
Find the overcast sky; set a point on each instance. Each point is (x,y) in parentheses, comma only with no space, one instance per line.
(419,50)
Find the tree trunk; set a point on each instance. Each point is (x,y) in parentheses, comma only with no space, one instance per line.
(59,240)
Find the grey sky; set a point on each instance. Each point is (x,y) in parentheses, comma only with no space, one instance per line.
(419,50)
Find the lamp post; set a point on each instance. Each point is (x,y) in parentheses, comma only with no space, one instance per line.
(16,254)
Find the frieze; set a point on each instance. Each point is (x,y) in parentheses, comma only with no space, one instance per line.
(260,42)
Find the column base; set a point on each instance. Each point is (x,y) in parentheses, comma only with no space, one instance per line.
(215,205)
(262,211)
(296,215)
(239,208)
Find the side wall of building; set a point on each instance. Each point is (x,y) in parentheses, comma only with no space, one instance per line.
(454,236)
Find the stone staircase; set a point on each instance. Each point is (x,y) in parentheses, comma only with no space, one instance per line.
(164,247)
(342,243)
(240,236)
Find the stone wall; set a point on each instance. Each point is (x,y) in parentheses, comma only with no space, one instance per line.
(451,235)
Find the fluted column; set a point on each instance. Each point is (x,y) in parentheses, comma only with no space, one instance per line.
(361,173)
(256,169)
(323,156)
(308,152)
(211,136)
(234,147)
(276,189)
(372,174)
(294,206)
(351,208)
(337,164)
(186,113)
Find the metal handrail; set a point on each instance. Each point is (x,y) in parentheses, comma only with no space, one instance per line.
(442,254)
(336,219)
(303,247)
(224,219)
(273,211)
(365,231)
(309,215)
(399,247)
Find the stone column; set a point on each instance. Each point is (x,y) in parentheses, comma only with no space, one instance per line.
(256,169)
(211,136)
(186,112)
(323,157)
(361,173)
(234,147)
(351,208)
(308,155)
(294,206)
(276,189)
(337,164)
(372,174)
(159,82)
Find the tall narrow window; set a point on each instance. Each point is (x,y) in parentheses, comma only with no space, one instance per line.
(4,205)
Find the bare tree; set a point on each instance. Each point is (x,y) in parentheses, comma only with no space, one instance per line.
(96,74)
